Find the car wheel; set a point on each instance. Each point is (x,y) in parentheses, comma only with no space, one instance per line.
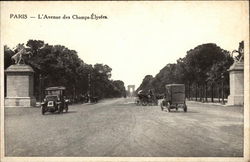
(43,110)
(168,106)
(59,110)
(185,108)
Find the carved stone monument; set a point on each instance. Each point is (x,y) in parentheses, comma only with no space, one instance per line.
(19,80)
(236,76)
(131,90)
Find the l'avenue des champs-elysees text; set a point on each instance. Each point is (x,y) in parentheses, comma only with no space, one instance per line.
(92,16)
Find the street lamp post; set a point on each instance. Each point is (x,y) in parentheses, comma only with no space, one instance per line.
(222,77)
(40,87)
(89,86)
(42,79)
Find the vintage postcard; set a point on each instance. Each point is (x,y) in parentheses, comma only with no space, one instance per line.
(124,81)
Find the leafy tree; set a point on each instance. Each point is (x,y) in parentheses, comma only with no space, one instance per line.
(199,70)
(120,90)
(8,53)
(218,70)
(146,83)
(59,66)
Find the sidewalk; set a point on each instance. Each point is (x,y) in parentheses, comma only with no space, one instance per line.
(216,101)
(219,106)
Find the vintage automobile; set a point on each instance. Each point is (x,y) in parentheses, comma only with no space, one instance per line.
(146,99)
(55,100)
(174,98)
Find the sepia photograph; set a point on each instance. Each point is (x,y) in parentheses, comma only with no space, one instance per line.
(124,81)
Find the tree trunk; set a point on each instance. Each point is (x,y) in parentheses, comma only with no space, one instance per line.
(218,92)
(74,92)
(189,90)
(206,91)
(212,92)
(201,89)
(186,91)
(203,92)
(196,92)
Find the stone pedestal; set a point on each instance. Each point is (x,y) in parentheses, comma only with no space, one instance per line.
(20,83)
(236,77)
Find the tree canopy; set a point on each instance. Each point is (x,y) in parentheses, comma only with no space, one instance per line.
(202,66)
(56,65)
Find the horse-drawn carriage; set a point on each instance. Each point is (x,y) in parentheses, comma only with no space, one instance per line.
(145,99)
(174,97)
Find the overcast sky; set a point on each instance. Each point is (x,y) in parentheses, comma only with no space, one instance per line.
(137,39)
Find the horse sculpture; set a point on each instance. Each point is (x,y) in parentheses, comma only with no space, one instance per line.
(18,57)
(240,51)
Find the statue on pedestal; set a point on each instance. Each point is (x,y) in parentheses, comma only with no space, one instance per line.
(240,51)
(20,81)
(236,77)
(18,57)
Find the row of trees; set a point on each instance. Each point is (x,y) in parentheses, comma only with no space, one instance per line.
(56,65)
(203,71)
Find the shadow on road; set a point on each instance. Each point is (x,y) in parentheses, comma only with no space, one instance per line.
(69,112)
(173,111)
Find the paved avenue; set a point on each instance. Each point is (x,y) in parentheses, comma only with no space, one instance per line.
(117,127)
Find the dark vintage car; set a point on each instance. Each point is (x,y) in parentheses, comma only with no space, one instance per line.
(174,97)
(55,100)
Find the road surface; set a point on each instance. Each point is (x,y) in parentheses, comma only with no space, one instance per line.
(119,128)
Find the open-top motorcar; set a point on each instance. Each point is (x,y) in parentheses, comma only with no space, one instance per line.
(55,100)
